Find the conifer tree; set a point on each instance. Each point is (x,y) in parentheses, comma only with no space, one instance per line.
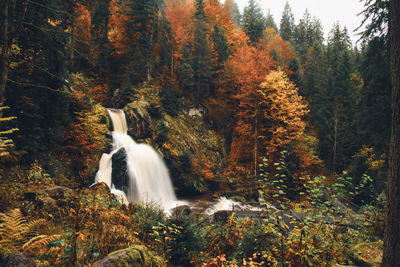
(270,22)
(201,54)
(254,22)
(286,26)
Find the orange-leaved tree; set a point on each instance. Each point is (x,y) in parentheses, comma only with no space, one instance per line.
(285,111)
(278,47)
(248,67)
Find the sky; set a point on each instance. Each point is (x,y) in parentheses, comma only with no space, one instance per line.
(327,11)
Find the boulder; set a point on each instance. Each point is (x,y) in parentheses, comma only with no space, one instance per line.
(222,216)
(119,174)
(18,260)
(135,256)
(367,254)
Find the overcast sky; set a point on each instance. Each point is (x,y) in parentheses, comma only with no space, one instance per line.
(327,11)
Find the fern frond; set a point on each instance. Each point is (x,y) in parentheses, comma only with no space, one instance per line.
(16,230)
(40,241)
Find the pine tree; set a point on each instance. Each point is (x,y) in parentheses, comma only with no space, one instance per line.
(286,26)
(333,106)
(201,54)
(307,34)
(373,111)
(185,71)
(270,22)
(254,22)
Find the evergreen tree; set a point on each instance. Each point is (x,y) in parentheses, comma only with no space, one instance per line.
(270,22)
(220,45)
(141,28)
(185,71)
(36,84)
(202,68)
(254,22)
(334,102)
(286,26)
(235,13)
(306,34)
(373,110)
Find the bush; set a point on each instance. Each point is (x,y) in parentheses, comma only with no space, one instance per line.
(154,110)
(171,101)
(162,134)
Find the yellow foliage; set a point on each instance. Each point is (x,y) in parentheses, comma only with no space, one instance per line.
(16,230)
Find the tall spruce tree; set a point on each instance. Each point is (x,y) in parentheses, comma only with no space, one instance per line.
(333,105)
(270,22)
(253,22)
(141,27)
(286,27)
(202,67)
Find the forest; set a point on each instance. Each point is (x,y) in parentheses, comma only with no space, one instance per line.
(239,106)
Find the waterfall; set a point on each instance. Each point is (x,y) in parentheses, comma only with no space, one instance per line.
(149,180)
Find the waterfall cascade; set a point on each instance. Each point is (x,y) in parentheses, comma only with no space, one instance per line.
(149,180)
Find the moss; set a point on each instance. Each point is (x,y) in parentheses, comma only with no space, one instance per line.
(4,252)
(367,254)
(136,255)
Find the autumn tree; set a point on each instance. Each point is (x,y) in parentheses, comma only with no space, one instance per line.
(285,112)
(248,68)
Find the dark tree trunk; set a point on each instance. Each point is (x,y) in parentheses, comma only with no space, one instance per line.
(391,250)
(4,49)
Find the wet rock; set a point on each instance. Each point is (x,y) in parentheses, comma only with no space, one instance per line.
(49,197)
(222,216)
(184,209)
(139,120)
(18,260)
(119,172)
(135,256)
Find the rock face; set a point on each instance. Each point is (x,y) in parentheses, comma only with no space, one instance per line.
(140,124)
(119,173)
(135,256)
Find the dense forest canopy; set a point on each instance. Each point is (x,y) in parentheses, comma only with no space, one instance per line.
(274,97)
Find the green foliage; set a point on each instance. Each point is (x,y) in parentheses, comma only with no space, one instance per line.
(162,134)
(154,110)
(186,162)
(202,66)
(171,101)
(185,240)
(286,27)
(253,21)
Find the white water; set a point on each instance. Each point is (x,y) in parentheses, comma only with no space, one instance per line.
(149,181)
(224,203)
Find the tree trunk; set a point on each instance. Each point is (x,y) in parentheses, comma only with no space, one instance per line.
(4,49)
(391,255)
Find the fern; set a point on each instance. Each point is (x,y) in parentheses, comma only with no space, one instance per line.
(16,230)
(39,242)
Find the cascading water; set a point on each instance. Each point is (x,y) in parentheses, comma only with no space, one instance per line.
(148,176)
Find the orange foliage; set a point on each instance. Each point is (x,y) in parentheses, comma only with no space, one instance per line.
(82,22)
(274,43)
(179,14)
(220,14)
(117,31)
(100,92)
(247,67)
(286,109)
